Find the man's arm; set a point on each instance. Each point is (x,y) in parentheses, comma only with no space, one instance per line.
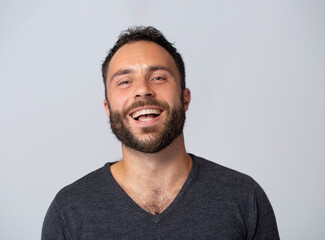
(265,222)
(53,226)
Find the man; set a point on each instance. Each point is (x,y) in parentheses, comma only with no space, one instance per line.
(157,190)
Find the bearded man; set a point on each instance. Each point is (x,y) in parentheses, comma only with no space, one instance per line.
(157,190)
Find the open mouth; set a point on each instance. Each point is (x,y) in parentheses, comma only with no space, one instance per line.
(146,114)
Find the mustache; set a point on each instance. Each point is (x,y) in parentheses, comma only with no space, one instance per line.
(142,103)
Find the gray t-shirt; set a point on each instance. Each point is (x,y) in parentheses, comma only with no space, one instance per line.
(214,203)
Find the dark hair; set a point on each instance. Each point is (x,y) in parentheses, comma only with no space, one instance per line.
(150,34)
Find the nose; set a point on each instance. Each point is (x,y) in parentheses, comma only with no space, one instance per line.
(143,89)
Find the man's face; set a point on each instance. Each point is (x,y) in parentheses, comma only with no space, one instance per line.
(145,104)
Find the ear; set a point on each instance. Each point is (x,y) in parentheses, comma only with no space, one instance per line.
(106,108)
(186,98)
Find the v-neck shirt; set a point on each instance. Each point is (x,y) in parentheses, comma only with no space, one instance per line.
(215,202)
(136,207)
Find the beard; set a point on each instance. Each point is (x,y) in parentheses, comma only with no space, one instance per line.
(159,139)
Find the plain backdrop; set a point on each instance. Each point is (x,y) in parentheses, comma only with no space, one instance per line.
(256,70)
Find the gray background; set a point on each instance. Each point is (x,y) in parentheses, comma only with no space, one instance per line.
(257,75)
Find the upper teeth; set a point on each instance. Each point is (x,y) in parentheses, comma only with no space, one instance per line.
(144,112)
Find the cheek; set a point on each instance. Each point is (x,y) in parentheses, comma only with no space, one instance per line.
(168,91)
(117,101)
(173,96)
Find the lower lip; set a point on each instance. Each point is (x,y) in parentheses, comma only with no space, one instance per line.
(147,123)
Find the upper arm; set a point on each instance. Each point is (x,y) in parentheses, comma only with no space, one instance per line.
(53,225)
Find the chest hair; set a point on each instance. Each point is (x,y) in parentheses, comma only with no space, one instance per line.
(154,201)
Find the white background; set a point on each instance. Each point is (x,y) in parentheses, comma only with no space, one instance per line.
(256,70)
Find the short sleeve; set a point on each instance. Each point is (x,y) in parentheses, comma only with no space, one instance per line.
(266,226)
(53,226)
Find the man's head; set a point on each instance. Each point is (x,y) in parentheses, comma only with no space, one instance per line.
(150,34)
(146,98)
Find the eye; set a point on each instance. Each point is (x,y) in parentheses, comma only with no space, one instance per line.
(123,83)
(159,78)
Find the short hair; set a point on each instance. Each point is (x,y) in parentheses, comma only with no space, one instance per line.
(150,34)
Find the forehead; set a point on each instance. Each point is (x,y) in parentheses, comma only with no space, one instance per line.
(139,55)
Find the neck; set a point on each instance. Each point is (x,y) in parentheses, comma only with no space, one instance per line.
(150,170)
(153,180)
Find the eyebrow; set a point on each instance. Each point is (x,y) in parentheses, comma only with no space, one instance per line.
(149,69)
(160,67)
(121,72)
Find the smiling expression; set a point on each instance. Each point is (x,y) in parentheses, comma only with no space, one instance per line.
(146,105)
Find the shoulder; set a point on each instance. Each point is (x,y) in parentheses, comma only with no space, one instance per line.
(85,188)
(233,195)
(213,171)
(76,203)
(216,177)
(217,184)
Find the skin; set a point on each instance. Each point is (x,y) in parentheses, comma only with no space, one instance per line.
(138,71)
